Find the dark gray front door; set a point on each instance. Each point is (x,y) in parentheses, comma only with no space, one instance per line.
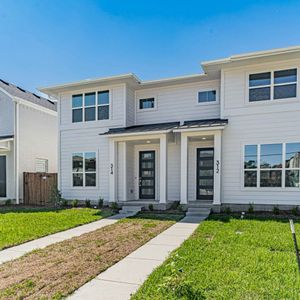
(205,174)
(2,176)
(147,175)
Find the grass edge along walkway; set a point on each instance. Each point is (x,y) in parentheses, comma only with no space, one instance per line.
(59,269)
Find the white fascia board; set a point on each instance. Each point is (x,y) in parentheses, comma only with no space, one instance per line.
(199,129)
(139,135)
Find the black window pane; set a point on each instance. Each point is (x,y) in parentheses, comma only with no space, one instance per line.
(76,101)
(103,97)
(250,178)
(270,178)
(90,114)
(271,156)
(285,91)
(206,191)
(77,115)
(285,76)
(260,79)
(147,103)
(292,159)
(292,178)
(206,96)
(250,161)
(90,161)
(78,179)
(259,94)
(77,162)
(147,155)
(90,179)
(103,112)
(2,176)
(206,153)
(90,99)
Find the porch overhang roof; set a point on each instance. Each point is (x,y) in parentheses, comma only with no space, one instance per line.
(4,142)
(142,129)
(208,124)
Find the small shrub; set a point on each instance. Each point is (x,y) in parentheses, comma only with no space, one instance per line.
(55,197)
(150,207)
(276,210)
(227,210)
(100,202)
(251,208)
(175,205)
(114,206)
(295,211)
(75,203)
(88,203)
(64,202)
(8,202)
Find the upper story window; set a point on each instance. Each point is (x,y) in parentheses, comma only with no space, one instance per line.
(90,107)
(147,103)
(273,85)
(207,96)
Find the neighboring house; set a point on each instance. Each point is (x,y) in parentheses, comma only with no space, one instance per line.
(28,138)
(230,136)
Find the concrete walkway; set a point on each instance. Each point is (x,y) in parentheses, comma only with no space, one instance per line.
(121,280)
(18,251)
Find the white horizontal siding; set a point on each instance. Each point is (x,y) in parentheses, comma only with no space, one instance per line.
(255,129)
(6,115)
(84,140)
(177,103)
(130,106)
(173,177)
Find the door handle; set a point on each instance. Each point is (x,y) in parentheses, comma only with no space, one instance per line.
(140,181)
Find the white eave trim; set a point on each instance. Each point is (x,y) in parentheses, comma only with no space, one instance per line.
(143,133)
(193,129)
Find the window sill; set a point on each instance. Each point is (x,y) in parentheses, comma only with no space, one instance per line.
(270,189)
(269,102)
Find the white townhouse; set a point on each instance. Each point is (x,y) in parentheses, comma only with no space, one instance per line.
(28,138)
(229,136)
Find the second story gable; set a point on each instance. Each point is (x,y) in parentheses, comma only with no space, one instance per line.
(259,82)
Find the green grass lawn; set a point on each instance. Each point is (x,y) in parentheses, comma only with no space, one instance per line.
(18,225)
(229,258)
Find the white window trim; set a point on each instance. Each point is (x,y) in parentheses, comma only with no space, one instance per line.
(84,172)
(271,85)
(3,198)
(96,106)
(258,169)
(146,109)
(208,102)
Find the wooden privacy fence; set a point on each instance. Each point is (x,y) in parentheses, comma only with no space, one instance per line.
(38,187)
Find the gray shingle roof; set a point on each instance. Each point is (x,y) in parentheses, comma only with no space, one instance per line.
(16,91)
(142,128)
(203,123)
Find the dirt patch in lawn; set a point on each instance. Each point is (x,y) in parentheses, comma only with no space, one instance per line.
(59,269)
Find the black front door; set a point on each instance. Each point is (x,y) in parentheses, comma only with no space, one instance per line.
(2,176)
(205,174)
(147,175)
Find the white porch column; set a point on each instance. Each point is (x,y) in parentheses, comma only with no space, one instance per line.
(217,167)
(184,169)
(112,170)
(125,171)
(163,169)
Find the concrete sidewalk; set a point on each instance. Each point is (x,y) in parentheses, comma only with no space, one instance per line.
(121,280)
(18,251)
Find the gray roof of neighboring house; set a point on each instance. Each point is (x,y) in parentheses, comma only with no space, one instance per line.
(143,128)
(4,137)
(16,91)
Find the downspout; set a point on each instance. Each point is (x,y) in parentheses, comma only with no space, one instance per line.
(16,150)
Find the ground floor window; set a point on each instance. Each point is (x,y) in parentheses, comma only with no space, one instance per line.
(84,169)
(272,165)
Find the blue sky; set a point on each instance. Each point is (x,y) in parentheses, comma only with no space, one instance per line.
(50,41)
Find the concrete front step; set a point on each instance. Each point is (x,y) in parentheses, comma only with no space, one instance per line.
(131,209)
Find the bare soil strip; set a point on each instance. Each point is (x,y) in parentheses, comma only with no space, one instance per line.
(59,269)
